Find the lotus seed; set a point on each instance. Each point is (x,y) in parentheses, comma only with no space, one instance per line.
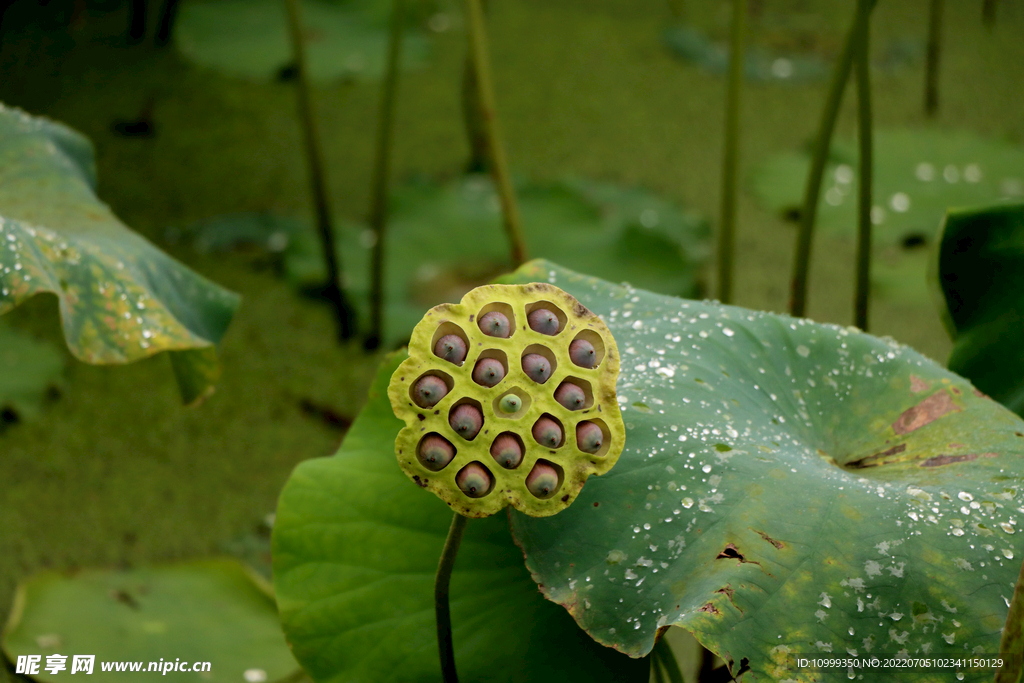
(451,348)
(436,452)
(537,367)
(570,396)
(510,403)
(582,353)
(466,420)
(507,451)
(474,480)
(544,321)
(542,481)
(495,324)
(589,437)
(547,432)
(428,391)
(488,372)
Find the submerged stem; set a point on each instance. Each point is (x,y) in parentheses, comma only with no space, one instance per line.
(343,313)
(382,175)
(441,607)
(864,161)
(931,77)
(726,235)
(801,264)
(488,113)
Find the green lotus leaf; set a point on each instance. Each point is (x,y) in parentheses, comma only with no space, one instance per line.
(121,299)
(249,38)
(786,487)
(214,611)
(29,368)
(981,274)
(355,550)
(443,240)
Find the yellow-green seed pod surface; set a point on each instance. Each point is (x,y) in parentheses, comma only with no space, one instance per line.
(478,469)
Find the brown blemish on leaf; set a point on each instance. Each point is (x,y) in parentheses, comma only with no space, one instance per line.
(940,460)
(927,411)
(917,385)
(778,544)
(875,459)
(710,609)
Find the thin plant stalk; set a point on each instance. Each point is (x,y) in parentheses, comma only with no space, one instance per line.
(1011,644)
(489,116)
(727,231)
(864,161)
(667,661)
(344,316)
(931,79)
(656,669)
(441,606)
(988,12)
(382,176)
(841,74)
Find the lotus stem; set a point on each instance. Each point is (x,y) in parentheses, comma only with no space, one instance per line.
(488,114)
(344,316)
(931,77)
(865,162)
(726,235)
(667,660)
(801,264)
(441,606)
(382,176)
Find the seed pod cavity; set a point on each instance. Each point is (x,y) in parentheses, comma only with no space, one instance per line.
(544,479)
(452,348)
(538,363)
(428,390)
(435,452)
(474,480)
(571,396)
(507,450)
(488,372)
(543,321)
(589,437)
(467,420)
(497,320)
(548,432)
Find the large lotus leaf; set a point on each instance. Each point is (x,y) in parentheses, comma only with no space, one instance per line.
(981,274)
(786,487)
(355,549)
(249,39)
(29,368)
(443,240)
(214,611)
(120,298)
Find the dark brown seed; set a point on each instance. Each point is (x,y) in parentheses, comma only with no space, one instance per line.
(488,372)
(507,451)
(474,480)
(589,437)
(495,324)
(428,391)
(435,452)
(542,481)
(466,420)
(570,396)
(451,348)
(537,367)
(582,353)
(547,432)
(544,321)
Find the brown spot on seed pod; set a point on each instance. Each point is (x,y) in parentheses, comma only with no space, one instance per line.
(421,417)
(565,497)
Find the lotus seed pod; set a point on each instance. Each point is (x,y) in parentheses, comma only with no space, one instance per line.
(488,372)
(428,391)
(547,432)
(589,437)
(452,348)
(510,404)
(542,481)
(507,451)
(495,324)
(582,353)
(544,321)
(466,420)
(537,367)
(474,480)
(436,452)
(570,396)
(496,434)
